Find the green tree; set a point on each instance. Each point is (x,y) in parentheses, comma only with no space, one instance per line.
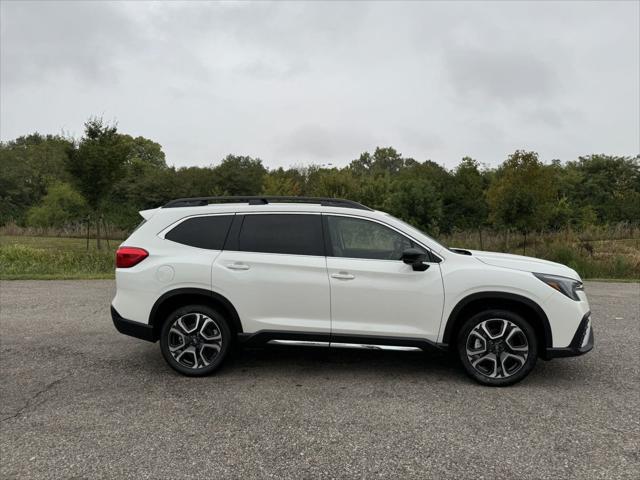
(143,151)
(323,182)
(239,175)
(416,194)
(385,159)
(609,184)
(61,206)
(465,203)
(282,182)
(373,190)
(416,201)
(145,182)
(27,166)
(522,193)
(96,164)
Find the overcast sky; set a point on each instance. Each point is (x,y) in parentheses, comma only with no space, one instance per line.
(298,83)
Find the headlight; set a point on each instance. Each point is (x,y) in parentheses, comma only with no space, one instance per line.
(566,286)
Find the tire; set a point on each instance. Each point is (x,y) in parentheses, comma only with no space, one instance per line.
(195,340)
(497,347)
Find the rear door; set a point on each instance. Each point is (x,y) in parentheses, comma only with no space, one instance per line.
(273,270)
(372,291)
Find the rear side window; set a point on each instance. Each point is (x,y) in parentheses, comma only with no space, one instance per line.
(202,232)
(274,233)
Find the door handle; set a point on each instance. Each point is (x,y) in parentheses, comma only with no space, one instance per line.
(238,266)
(343,276)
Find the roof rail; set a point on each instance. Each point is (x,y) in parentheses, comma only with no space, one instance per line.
(264,200)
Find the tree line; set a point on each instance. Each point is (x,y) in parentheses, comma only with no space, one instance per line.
(106,177)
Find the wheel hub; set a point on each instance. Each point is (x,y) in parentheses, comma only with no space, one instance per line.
(497,347)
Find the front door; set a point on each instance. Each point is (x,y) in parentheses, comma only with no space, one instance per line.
(372,291)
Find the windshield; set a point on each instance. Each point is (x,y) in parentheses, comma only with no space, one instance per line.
(411,228)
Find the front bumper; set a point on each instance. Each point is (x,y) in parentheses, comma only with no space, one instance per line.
(581,343)
(133,329)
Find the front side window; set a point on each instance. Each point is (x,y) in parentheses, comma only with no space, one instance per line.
(282,233)
(203,232)
(358,238)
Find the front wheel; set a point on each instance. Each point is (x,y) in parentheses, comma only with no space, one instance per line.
(195,340)
(497,347)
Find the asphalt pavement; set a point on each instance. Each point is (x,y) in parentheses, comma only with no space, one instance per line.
(80,400)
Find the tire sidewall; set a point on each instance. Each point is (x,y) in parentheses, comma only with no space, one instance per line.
(524,325)
(224,349)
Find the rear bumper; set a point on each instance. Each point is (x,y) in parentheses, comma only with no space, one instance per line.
(581,343)
(133,329)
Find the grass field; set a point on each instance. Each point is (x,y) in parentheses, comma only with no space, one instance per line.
(47,258)
(34,257)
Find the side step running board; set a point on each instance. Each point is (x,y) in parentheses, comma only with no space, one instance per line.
(299,343)
(309,343)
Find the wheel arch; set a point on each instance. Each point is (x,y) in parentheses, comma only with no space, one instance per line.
(173,299)
(478,302)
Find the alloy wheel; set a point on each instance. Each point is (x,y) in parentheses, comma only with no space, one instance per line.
(195,340)
(497,348)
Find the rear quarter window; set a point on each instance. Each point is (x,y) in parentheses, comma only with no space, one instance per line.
(202,232)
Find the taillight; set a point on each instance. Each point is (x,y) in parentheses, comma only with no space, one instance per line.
(129,256)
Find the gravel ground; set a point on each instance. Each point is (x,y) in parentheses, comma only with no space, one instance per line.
(80,400)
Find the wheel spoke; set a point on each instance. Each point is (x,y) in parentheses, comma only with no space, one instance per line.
(504,357)
(490,357)
(515,332)
(212,346)
(480,331)
(189,351)
(503,328)
(183,342)
(210,325)
(182,322)
(477,339)
(519,358)
(208,346)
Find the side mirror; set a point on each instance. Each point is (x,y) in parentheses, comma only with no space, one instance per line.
(415,258)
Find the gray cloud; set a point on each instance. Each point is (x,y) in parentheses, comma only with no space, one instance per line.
(314,143)
(503,75)
(321,82)
(75,39)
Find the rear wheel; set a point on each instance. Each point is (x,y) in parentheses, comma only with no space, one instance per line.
(195,340)
(497,347)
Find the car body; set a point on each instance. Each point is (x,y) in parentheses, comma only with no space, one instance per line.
(332,272)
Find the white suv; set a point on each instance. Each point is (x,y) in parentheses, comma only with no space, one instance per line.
(201,274)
